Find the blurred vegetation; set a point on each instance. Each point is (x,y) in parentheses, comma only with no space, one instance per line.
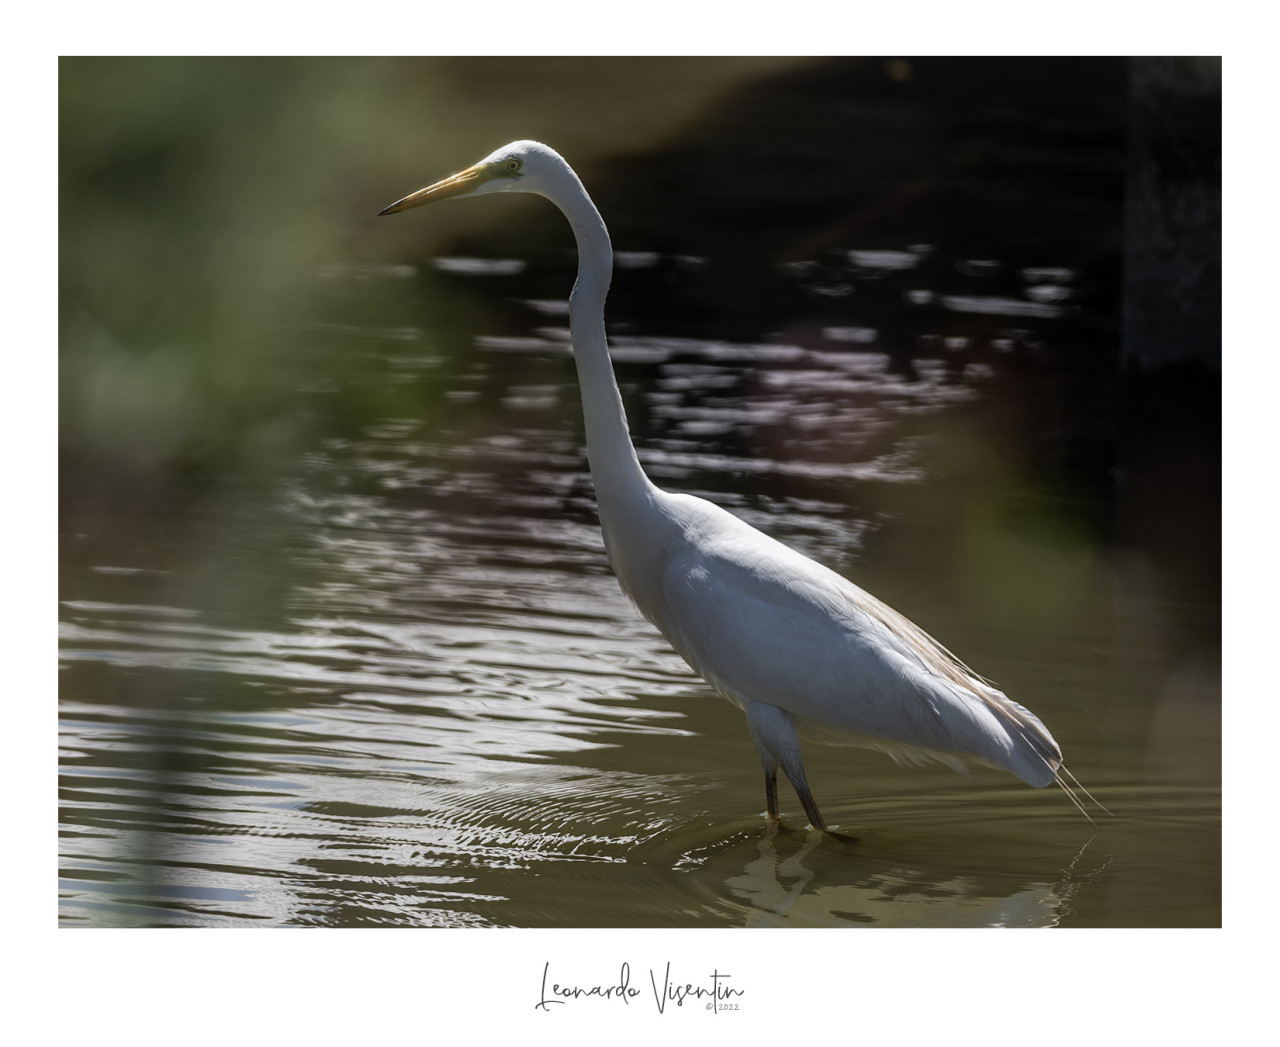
(202,201)
(190,196)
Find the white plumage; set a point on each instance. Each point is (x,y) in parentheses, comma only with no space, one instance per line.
(798,648)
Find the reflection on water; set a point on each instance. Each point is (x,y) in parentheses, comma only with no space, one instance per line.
(397,685)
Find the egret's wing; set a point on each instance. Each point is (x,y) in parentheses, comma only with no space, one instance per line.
(759,632)
(763,623)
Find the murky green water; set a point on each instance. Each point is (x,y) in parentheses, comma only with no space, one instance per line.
(389,680)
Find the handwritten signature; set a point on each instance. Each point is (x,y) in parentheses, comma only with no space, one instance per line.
(716,991)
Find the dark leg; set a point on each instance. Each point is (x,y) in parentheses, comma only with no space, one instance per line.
(806,799)
(776,740)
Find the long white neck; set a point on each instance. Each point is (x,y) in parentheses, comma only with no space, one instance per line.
(614,467)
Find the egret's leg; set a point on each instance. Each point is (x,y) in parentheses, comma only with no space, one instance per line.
(771,792)
(806,798)
(770,766)
(778,743)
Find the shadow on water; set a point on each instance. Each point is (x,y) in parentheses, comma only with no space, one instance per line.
(339,643)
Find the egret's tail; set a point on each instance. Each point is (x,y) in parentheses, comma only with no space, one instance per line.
(1034,756)
(1071,795)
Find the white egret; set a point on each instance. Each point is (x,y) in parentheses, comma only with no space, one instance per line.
(795,646)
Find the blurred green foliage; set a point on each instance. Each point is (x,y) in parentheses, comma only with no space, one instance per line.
(202,201)
(198,198)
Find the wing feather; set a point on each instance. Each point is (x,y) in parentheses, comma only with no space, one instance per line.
(849,665)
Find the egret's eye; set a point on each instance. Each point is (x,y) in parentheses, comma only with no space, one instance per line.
(513,165)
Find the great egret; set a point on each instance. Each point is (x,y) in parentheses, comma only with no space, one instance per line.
(795,646)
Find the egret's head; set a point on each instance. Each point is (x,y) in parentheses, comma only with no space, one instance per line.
(524,167)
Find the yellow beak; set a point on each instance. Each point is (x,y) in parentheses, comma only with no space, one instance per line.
(455,185)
